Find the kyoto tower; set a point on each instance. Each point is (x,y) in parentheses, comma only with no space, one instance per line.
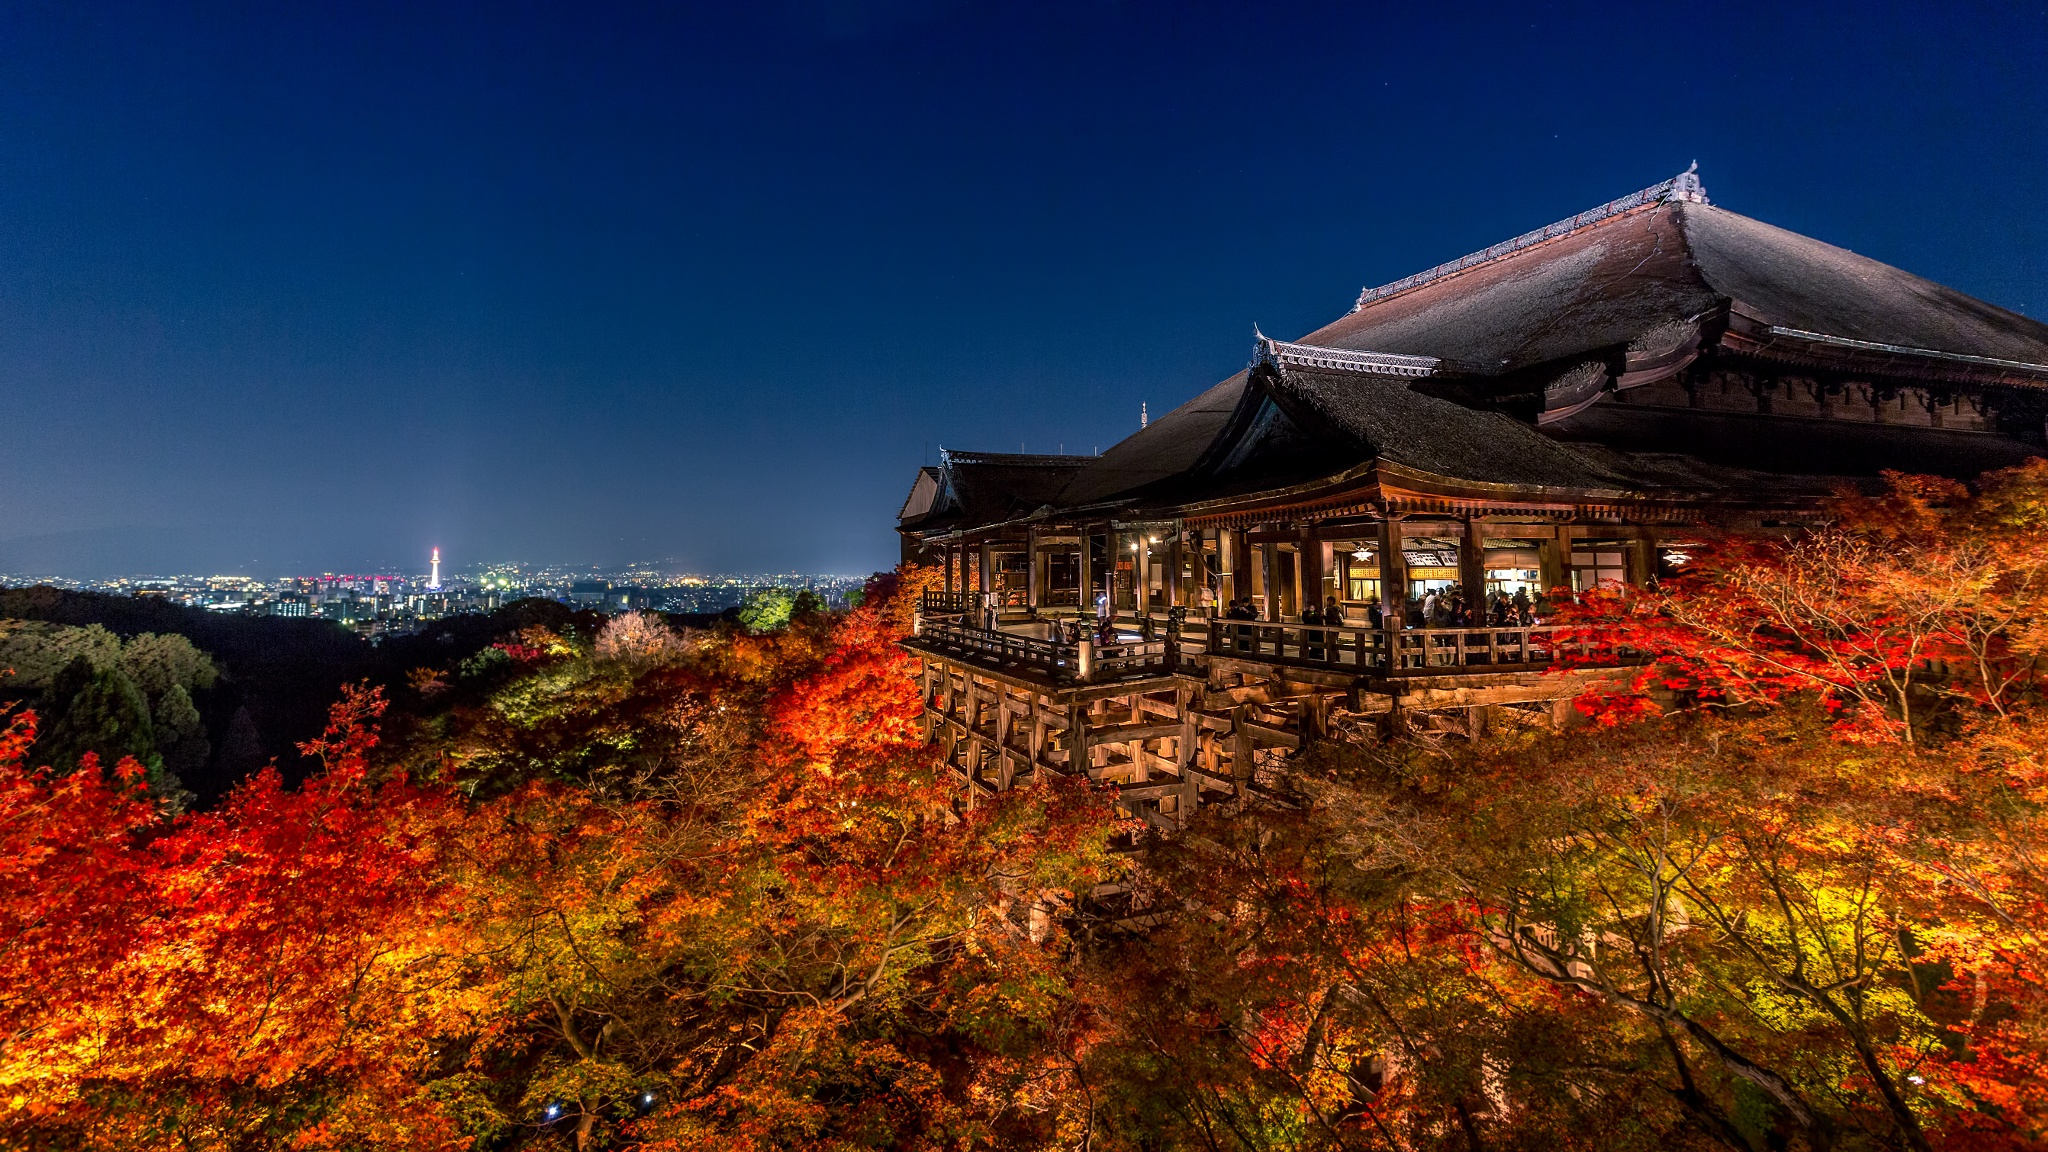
(434,572)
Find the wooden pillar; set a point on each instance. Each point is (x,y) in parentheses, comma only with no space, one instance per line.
(1077,739)
(1242,766)
(1551,557)
(1173,563)
(971,757)
(929,692)
(1642,558)
(1141,570)
(1037,740)
(1308,571)
(1472,562)
(1184,752)
(1393,575)
(1240,563)
(1033,584)
(1086,573)
(1270,554)
(1004,771)
(1200,569)
(986,562)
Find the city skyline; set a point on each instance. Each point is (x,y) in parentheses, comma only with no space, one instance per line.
(297,291)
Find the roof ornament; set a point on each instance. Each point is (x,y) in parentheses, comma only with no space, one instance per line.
(1144,421)
(1284,355)
(1684,187)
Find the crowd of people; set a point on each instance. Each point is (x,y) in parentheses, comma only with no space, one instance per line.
(1446,608)
(1449,608)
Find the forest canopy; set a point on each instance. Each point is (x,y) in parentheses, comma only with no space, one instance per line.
(641,886)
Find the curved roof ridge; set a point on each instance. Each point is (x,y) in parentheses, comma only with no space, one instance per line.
(1013,459)
(1684,187)
(1265,349)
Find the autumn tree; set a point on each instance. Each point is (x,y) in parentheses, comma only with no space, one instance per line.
(723,901)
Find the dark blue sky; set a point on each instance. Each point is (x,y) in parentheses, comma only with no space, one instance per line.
(284,290)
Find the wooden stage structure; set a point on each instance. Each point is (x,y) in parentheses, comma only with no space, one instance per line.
(1370,529)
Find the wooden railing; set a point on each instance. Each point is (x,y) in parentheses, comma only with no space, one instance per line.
(1336,647)
(1054,658)
(1003,647)
(1364,649)
(950,603)
(1409,650)
(1130,658)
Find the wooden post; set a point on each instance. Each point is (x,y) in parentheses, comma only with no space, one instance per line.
(1551,555)
(928,691)
(1037,741)
(1472,563)
(987,565)
(1032,585)
(1240,564)
(1087,574)
(1201,570)
(1242,769)
(1003,725)
(1393,586)
(1308,569)
(1077,739)
(1141,571)
(1184,754)
(1173,563)
(1642,558)
(972,758)
(1270,556)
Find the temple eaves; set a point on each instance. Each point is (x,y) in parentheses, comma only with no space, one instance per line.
(1684,187)
(1265,349)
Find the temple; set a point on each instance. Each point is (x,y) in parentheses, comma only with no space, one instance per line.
(1370,525)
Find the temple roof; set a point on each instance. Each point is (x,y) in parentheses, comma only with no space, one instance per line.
(1166,447)
(1662,257)
(1307,413)
(1384,418)
(1616,296)
(991,487)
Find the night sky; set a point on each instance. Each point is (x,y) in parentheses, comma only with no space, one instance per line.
(284,291)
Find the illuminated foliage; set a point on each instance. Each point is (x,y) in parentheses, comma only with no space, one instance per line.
(1784,892)
(714,900)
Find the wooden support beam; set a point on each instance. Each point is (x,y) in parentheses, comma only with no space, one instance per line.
(1077,738)
(1087,571)
(1141,570)
(1241,764)
(1393,575)
(1267,734)
(1472,563)
(1240,563)
(1118,733)
(1147,790)
(1033,592)
(1173,564)
(1270,555)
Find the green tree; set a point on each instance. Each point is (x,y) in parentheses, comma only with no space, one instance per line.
(767,609)
(108,716)
(158,663)
(180,734)
(39,651)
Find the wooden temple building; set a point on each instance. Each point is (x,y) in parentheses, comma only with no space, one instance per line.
(1563,410)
